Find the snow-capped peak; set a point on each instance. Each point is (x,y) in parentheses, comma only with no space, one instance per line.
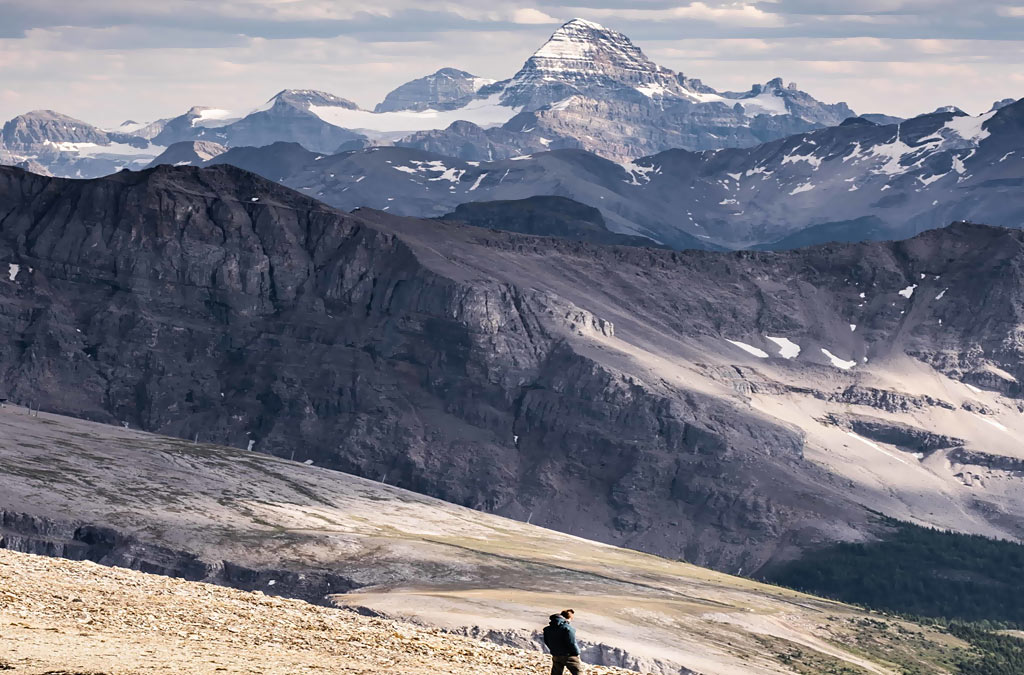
(305,98)
(582,55)
(583,23)
(581,40)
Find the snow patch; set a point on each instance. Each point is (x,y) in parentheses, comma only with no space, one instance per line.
(802,188)
(451,175)
(210,114)
(931,179)
(652,90)
(477,182)
(759,353)
(942,294)
(908,291)
(765,103)
(787,348)
(639,173)
(809,158)
(12,270)
(970,128)
(836,361)
(484,112)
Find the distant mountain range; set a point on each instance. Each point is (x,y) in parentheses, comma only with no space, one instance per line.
(588,87)
(855,181)
(589,118)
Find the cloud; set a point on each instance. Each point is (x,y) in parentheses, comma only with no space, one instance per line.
(1009,11)
(734,14)
(529,15)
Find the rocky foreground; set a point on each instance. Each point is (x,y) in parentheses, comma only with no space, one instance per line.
(79,617)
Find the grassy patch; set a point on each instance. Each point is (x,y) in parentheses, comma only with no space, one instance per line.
(804,660)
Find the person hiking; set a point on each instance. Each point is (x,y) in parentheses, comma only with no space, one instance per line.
(560,639)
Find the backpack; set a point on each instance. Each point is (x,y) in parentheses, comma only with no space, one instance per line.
(556,639)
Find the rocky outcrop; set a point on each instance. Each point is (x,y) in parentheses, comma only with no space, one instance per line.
(907,437)
(597,654)
(987,460)
(102,544)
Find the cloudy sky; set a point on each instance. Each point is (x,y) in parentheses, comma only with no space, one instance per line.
(108,60)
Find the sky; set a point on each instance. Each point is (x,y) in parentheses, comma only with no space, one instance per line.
(105,61)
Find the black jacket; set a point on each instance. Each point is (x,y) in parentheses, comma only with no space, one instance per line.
(560,637)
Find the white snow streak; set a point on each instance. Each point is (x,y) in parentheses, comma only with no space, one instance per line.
(477,182)
(759,353)
(997,425)
(838,362)
(876,447)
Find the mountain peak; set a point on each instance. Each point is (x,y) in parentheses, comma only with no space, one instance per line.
(581,39)
(304,98)
(446,89)
(582,55)
(582,23)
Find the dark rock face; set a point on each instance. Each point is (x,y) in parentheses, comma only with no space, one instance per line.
(446,89)
(453,360)
(546,217)
(276,161)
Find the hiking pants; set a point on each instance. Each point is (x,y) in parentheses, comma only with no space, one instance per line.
(561,663)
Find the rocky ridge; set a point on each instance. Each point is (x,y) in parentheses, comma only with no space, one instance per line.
(858,181)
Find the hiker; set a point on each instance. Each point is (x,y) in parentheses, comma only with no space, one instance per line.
(560,639)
